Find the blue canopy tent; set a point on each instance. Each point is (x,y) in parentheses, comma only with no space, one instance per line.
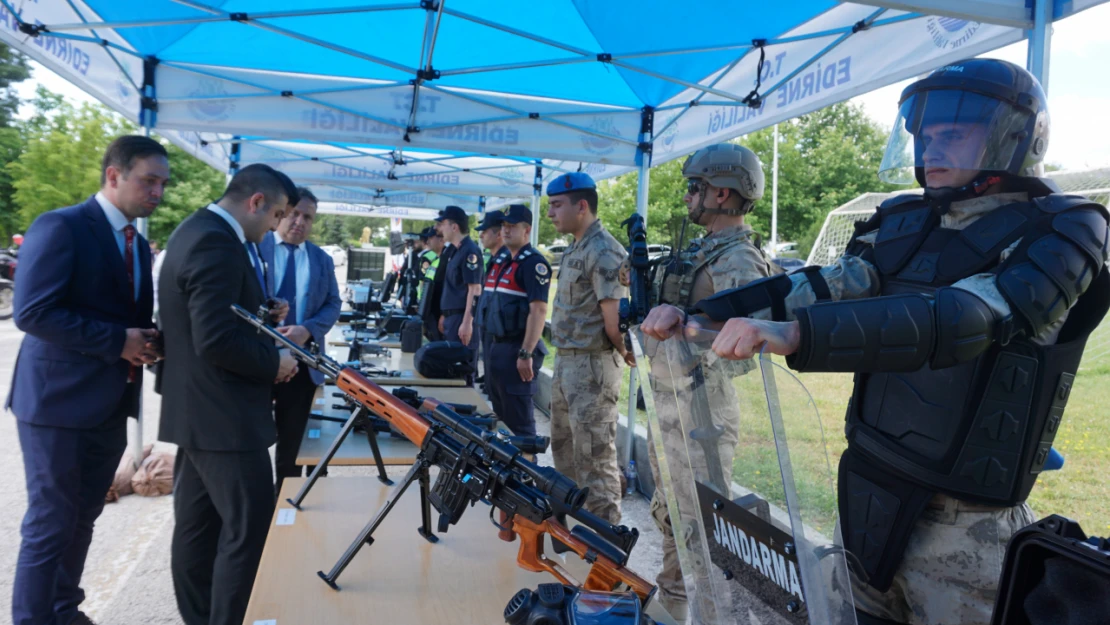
(602,86)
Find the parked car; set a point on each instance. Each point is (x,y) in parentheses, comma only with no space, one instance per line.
(656,251)
(338,254)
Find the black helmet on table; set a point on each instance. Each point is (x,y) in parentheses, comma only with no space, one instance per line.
(977,115)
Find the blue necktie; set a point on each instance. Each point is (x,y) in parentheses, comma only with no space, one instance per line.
(288,289)
(257,267)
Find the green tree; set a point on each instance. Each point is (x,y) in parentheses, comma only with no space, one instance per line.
(13,69)
(826,158)
(193,184)
(60,163)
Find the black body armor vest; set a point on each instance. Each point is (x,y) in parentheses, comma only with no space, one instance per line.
(981,430)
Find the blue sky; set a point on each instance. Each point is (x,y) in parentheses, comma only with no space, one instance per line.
(1079,90)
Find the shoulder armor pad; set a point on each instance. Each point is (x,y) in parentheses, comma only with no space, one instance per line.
(899,200)
(1058,202)
(1087,228)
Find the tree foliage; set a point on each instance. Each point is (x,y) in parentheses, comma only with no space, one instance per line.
(826,158)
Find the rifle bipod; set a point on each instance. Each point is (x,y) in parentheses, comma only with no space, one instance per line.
(419,471)
(362,415)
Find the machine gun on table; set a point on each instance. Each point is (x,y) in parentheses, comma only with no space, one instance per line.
(476,465)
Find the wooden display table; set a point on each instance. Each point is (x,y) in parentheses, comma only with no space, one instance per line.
(401,579)
(355,450)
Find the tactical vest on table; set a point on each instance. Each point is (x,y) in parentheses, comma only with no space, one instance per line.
(981,430)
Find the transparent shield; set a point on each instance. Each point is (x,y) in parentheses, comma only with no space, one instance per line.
(741,458)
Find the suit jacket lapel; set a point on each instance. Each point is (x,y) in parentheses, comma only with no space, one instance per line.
(102,230)
(244,257)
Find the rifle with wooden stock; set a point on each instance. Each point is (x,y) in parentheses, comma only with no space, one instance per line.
(476,464)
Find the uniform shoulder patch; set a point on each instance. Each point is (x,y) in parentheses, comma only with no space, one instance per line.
(473,258)
(541,269)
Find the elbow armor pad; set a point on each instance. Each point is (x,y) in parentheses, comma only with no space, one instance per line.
(895,333)
(1046,276)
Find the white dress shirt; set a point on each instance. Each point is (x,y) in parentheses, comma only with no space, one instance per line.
(118,221)
(303,275)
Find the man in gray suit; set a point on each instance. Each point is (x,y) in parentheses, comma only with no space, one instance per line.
(308,284)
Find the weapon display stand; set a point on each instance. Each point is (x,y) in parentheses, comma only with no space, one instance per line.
(358,417)
(419,471)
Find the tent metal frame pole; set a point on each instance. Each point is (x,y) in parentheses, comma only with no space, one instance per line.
(111,55)
(821,54)
(250,16)
(519,33)
(775,196)
(643,155)
(537,186)
(305,38)
(1040,40)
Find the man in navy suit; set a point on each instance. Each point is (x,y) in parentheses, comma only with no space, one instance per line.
(308,284)
(84,299)
(217,394)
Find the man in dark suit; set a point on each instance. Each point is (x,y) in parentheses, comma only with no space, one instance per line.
(84,300)
(308,285)
(217,387)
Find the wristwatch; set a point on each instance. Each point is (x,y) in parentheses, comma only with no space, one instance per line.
(524,355)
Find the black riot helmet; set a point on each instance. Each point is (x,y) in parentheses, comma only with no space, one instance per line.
(982,115)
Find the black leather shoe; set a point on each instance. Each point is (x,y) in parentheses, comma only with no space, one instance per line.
(81,619)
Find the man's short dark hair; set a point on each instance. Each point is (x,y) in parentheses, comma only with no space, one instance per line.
(590,195)
(304,194)
(124,151)
(260,178)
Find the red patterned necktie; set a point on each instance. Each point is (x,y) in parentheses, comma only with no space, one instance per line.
(129,262)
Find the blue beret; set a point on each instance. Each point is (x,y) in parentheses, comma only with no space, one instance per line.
(575,181)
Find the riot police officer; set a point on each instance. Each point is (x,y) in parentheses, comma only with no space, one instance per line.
(724,181)
(963,312)
(518,288)
(462,282)
(489,235)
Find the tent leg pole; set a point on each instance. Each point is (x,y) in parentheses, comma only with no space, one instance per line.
(537,184)
(1040,39)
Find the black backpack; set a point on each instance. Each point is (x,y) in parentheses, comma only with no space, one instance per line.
(444,360)
(412,335)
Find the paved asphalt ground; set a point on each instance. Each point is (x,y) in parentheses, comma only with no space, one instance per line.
(127,576)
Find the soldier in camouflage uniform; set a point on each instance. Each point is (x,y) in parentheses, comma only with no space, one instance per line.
(585,329)
(724,182)
(963,312)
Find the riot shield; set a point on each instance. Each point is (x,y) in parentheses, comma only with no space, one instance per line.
(741,461)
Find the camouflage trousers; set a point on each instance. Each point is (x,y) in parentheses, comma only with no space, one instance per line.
(584,393)
(951,567)
(675,401)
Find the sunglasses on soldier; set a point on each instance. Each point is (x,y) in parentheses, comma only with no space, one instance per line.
(693,186)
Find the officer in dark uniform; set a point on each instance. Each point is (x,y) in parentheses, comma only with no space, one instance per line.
(515,318)
(462,282)
(963,312)
(494,250)
(433,292)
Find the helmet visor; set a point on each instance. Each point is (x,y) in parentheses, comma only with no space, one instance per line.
(947,132)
